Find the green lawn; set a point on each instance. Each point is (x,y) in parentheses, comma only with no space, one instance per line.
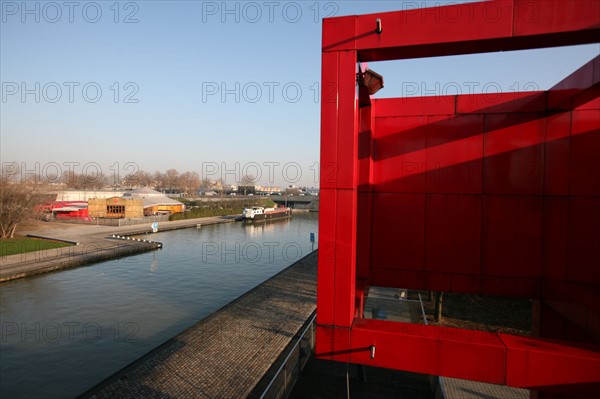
(19,245)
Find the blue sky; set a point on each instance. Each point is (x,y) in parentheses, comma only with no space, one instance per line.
(213,87)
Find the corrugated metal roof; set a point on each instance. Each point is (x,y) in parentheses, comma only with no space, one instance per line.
(142,192)
(153,201)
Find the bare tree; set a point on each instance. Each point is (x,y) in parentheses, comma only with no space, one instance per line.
(69,179)
(138,179)
(170,179)
(439,300)
(144,179)
(188,182)
(18,199)
(206,184)
(159,181)
(89,181)
(96,181)
(219,186)
(247,184)
(247,180)
(292,191)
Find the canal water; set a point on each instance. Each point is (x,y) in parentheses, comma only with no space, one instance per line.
(64,332)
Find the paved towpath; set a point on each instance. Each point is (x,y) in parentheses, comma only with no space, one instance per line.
(227,354)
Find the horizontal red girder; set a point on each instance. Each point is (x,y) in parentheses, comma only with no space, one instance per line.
(480,27)
(577,89)
(488,357)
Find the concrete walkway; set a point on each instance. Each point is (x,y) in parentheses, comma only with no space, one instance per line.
(94,244)
(465,389)
(227,354)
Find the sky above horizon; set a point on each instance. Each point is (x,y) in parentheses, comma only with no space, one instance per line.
(220,88)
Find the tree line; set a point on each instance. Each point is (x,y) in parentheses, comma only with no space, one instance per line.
(21,194)
(173,181)
(170,180)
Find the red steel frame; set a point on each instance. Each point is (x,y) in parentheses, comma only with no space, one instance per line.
(486,194)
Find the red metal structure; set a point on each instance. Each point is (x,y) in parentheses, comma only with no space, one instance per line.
(486,194)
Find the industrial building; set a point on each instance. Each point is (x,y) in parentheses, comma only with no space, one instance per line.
(134,204)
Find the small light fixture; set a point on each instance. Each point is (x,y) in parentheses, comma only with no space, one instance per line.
(371,80)
(378,28)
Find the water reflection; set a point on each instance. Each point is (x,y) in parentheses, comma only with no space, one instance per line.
(254,229)
(154,265)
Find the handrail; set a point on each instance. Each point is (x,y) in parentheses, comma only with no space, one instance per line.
(312,320)
(422,310)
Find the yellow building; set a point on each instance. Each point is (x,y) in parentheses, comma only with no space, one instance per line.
(134,205)
(116,207)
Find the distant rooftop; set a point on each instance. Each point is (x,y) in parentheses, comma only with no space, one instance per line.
(159,200)
(143,192)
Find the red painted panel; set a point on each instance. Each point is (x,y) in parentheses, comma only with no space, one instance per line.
(338,33)
(584,240)
(329,121)
(514,154)
(400,155)
(592,104)
(453,233)
(394,278)
(577,304)
(577,88)
(364,149)
(454,154)
(555,234)
(347,141)
(327,254)
(423,26)
(463,283)
(558,145)
(363,232)
(414,106)
(429,349)
(439,281)
(551,323)
(585,147)
(511,286)
(539,17)
(398,231)
(511,236)
(345,258)
(500,103)
(533,362)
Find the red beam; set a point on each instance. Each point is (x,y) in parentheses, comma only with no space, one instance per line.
(481,27)
(522,362)
(429,350)
(533,363)
(577,89)
(579,304)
